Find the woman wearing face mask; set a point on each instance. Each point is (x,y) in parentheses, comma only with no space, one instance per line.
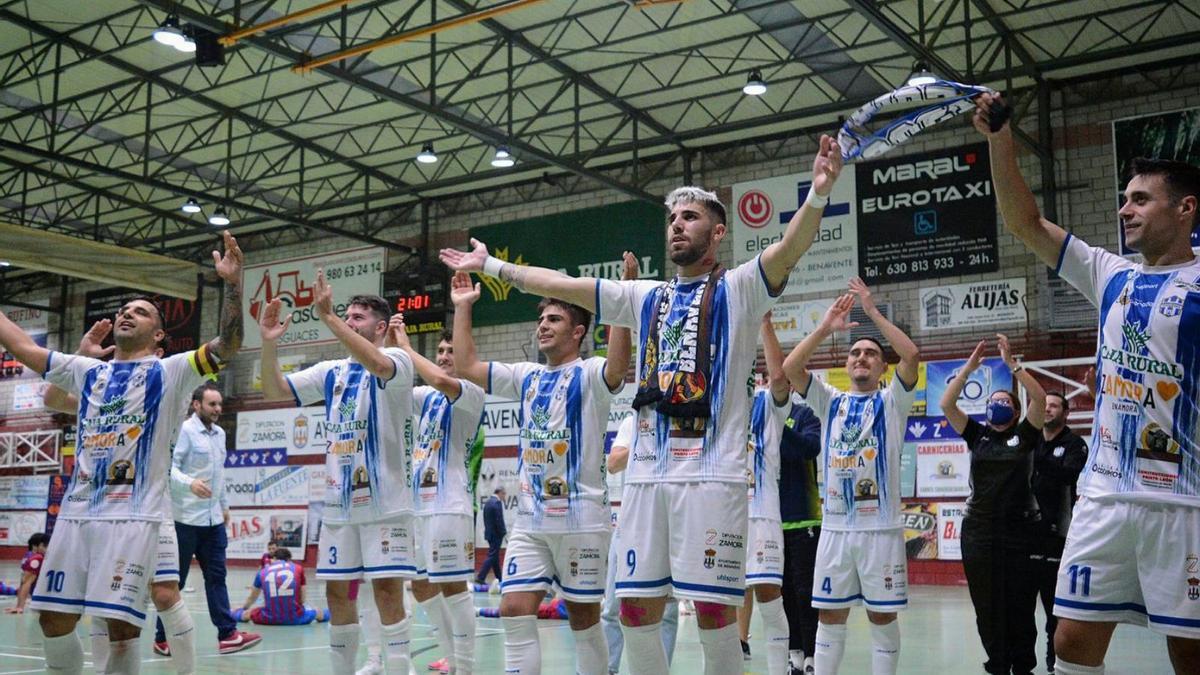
(996,533)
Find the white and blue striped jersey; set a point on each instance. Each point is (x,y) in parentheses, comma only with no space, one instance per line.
(1144,437)
(368,428)
(711,449)
(863,437)
(563,418)
(445,432)
(762,445)
(129,412)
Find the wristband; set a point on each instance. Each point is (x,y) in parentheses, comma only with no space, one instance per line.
(815,200)
(492,266)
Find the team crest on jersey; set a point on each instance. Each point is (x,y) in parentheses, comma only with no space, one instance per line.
(1171,306)
(710,558)
(887,583)
(1193,591)
(118,572)
(139,378)
(385,545)
(121,473)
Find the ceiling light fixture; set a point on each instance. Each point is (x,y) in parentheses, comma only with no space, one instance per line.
(5,263)
(921,75)
(218,218)
(427,155)
(168,32)
(503,158)
(187,45)
(191,206)
(755,85)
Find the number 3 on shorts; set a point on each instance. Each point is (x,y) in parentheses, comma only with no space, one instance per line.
(332,555)
(827,585)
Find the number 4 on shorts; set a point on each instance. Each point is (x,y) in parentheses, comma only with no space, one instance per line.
(827,585)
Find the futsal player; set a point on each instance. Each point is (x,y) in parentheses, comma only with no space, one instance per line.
(281,582)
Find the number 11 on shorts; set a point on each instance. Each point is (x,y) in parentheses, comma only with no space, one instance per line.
(1080,576)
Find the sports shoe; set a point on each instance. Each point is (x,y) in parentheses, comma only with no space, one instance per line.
(373,666)
(794,669)
(808,666)
(238,641)
(441,665)
(745,650)
(162,649)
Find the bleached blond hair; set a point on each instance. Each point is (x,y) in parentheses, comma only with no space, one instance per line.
(691,194)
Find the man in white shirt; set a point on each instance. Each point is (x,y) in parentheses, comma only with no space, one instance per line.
(367,527)
(201,513)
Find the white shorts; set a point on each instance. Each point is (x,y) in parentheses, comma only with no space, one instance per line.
(1132,562)
(683,539)
(445,547)
(576,563)
(861,568)
(100,568)
(764,562)
(368,550)
(166,563)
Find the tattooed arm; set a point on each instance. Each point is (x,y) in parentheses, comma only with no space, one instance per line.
(229,268)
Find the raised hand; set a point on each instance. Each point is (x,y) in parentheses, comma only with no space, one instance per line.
(323,294)
(1089,380)
(90,344)
(859,288)
(397,335)
(837,317)
(630,271)
(827,165)
(462,291)
(268,321)
(229,266)
(982,119)
(465,261)
(1005,350)
(976,357)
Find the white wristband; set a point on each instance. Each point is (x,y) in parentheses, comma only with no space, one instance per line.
(815,200)
(492,266)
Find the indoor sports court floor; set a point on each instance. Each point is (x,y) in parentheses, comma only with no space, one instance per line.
(938,635)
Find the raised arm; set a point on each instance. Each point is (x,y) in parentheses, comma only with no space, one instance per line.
(361,349)
(229,268)
(274,385)
(620,339)
(1036,412)
(773,355)
(954,415)
(910,356)
(1018,208)
(397,336)
(837,318)
(527,278)
(779,258)
(464,294)
(21,346)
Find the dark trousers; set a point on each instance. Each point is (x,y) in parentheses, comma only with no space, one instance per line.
(207,544)
(491,562)
(799,559)
(1000,578)
(1046,559)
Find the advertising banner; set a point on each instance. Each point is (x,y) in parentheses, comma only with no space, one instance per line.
(58,490)
(794,320)
(24,492)
(926,217)
(761,210)
(501,422)
(296,431)
(36,324)
(991,375)
(250,530)
(181,318)
(943,469)
(949,520)
(27,396)
(350,272)
(16,527)
(920,530)
(268,486)
(977,304)
(586,243)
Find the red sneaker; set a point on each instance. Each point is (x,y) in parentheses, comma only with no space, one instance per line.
(162,649)
(442,665)
(238,641)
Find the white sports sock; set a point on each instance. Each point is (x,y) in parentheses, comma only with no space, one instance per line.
(831,644)
(591,651)
(522,652)
(99,635)
(396,657)
(461,610)
(368,618)
(796,658)
(1062,667)
(64,654)
(775,625)
(885,648)
(181,637)
(644,649)
(439,615)
(722,650)
(343,647)
(123,657)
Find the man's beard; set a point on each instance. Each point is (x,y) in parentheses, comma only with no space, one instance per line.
(689,256)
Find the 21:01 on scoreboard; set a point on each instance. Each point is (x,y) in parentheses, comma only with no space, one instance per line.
(414,303)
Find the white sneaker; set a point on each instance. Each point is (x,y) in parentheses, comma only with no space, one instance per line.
(494,589)
(808,665)
(373,666)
